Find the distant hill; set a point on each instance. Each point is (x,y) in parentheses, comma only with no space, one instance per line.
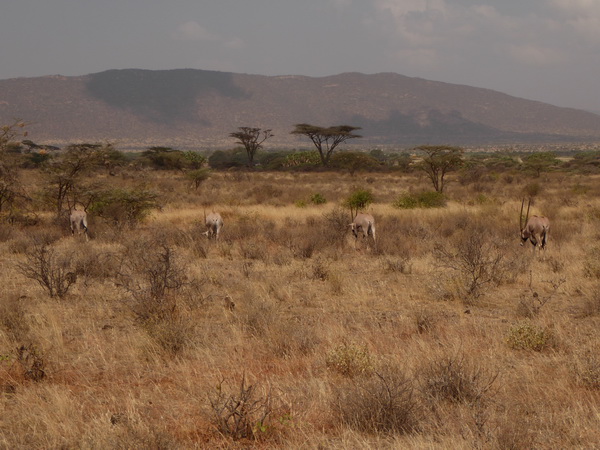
(188,108)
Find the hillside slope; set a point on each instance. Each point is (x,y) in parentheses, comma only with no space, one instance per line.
(190,108)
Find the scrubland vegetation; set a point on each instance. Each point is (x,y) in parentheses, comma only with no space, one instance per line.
(445,333)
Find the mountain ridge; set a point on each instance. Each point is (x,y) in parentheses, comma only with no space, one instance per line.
(193,108)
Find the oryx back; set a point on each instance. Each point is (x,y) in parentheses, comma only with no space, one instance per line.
(214,223)
(536,230)
(78,222)
(363,224)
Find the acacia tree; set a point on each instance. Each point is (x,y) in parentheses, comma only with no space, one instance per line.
(10,186)
(252,139)
(326,139)
(438,161)
(67,172)
(539,162)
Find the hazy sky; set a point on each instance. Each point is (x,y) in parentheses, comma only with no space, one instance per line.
(546,50)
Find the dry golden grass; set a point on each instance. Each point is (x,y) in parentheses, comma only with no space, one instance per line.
(378,347)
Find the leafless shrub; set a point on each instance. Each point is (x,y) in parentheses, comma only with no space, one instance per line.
(382,403)
(336,226)
(257,316)
(477,261)
(53,272)
(149,276)
(242,413)
(529,306)
(254,250)
(91,263)
(12,317)
(32,362)
(397,265)
(453,379)
(319,270)
(154,279)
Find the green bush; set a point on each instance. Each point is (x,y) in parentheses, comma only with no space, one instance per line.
(166,158)
(427,199)
(318,199)
(124,207)
(358,200)
(528,336)
(350,360)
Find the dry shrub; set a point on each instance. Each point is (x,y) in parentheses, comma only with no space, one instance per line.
(13,319)
(531,304)
(53,271)
(401,265)
(591,265)
(173,334)
(93,263)
(257,316)
(424,321)
(24,242)
(242,412)
(476,261)
(32,362)
(264,193)
(254,249)
(290,337)
(155,279)
(453,379)
(335,227)
(586,367)
(248,227)
(514,431)
(590,305)
(382,403)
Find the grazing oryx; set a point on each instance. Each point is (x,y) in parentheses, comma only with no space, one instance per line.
(78,222)
(534,228)
(365,224)
(214,223)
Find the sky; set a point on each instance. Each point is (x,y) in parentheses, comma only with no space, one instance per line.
(544,50)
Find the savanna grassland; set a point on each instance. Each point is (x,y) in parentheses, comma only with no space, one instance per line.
(445,333)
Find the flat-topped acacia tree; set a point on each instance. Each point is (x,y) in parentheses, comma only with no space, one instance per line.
(252,139)
(326,139)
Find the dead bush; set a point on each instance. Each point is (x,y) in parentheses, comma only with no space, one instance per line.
(590,305)
(155,280)
(381,403)
(453,379)
(242,412)
(336,226)
(12,317)
(32,362)
(151,277)
(476,261)
(53,272)
(586,367)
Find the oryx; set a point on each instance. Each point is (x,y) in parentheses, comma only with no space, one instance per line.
(534,228)
(214,224)
(78,222)
(365,224)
